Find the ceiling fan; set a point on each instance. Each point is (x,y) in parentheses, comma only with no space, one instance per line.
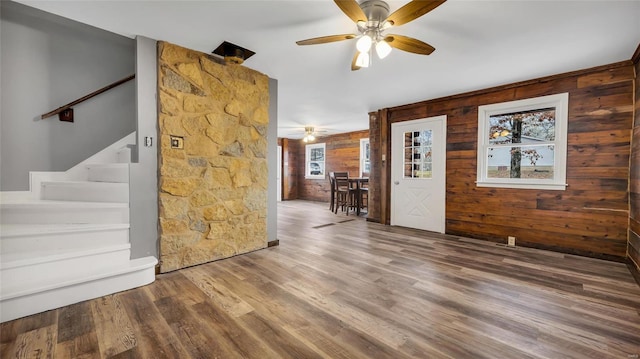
(310,132)
(372,19)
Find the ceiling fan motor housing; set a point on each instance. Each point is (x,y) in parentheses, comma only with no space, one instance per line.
(376,11)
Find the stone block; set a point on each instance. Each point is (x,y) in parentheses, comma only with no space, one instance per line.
(171,125)
(170,105)
(236,207)
(173,226)
(173,207)
(200,145)
(201,198)
(216,212)
(179,168)
(197,104)
(195,124)
(192,72)
(217,178)
(182,187)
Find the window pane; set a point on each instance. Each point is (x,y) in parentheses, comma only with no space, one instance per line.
(316,168)
(523,127)
(532,162)
(417,154)
(317,154)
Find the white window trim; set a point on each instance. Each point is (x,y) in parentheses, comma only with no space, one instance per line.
(561,103)
(364,141)
(307,170)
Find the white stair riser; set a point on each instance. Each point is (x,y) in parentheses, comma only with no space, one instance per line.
(49,214)
(109,173)
(85,191)
(26,246)
(123,155)
(59,269)
(138,272)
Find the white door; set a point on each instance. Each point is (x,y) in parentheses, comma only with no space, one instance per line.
(418,160)
(279,175)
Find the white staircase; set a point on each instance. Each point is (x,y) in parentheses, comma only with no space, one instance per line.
(67,239)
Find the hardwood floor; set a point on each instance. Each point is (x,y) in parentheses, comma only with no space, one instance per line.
(340,287)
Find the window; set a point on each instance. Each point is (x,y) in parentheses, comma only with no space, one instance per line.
(523,144)
(417,154)
(314,159)
(365,161)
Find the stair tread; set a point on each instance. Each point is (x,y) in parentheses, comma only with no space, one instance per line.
(83,183)
(17,230)
(108,165)
(12,260)
(57,203)
(78,277)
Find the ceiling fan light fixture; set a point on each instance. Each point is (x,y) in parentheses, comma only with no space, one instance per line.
(383,49)
(364,43)
(363,59)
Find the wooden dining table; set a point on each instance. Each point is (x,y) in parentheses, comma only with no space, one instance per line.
(356,183)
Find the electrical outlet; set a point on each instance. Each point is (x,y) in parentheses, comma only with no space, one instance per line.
(511,241)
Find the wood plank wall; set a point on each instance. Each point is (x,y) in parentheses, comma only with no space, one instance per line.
(342,154)
(633,247)
(290,158)
(590,217)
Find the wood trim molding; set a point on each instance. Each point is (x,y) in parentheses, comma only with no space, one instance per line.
(273,243)
(385,188)
(636,55)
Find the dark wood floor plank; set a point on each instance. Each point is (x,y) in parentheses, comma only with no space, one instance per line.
(81,346)
(113,328)
(338,286)
(74,321)
(37,343)
(155,339)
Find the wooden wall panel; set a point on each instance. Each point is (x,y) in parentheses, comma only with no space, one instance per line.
(591,216)
(342,154)
(290,158)
(376,167)
(633,245)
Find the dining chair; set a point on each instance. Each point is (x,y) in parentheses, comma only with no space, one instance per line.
(364,193)
(343,191)
(332,189)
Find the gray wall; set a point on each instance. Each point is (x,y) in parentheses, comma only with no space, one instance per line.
(46,62)
(143,175)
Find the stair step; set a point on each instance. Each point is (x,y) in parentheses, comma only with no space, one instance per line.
(111,172)
(17,270)
(21,301)
(50,212)
(85,191)
(27,238)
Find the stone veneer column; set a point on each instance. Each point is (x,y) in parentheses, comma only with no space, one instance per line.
(213,193)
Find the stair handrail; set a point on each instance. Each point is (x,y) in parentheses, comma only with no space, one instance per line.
(65,113)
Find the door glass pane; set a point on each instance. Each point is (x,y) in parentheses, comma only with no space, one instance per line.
(417,154)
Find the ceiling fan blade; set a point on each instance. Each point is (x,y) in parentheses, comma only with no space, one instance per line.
(355,67)
(326,39)
(413,10)
(409,44)
(351,9)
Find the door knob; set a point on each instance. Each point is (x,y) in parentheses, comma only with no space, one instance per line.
(396,182)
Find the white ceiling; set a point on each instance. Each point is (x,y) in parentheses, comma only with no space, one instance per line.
(478,44)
